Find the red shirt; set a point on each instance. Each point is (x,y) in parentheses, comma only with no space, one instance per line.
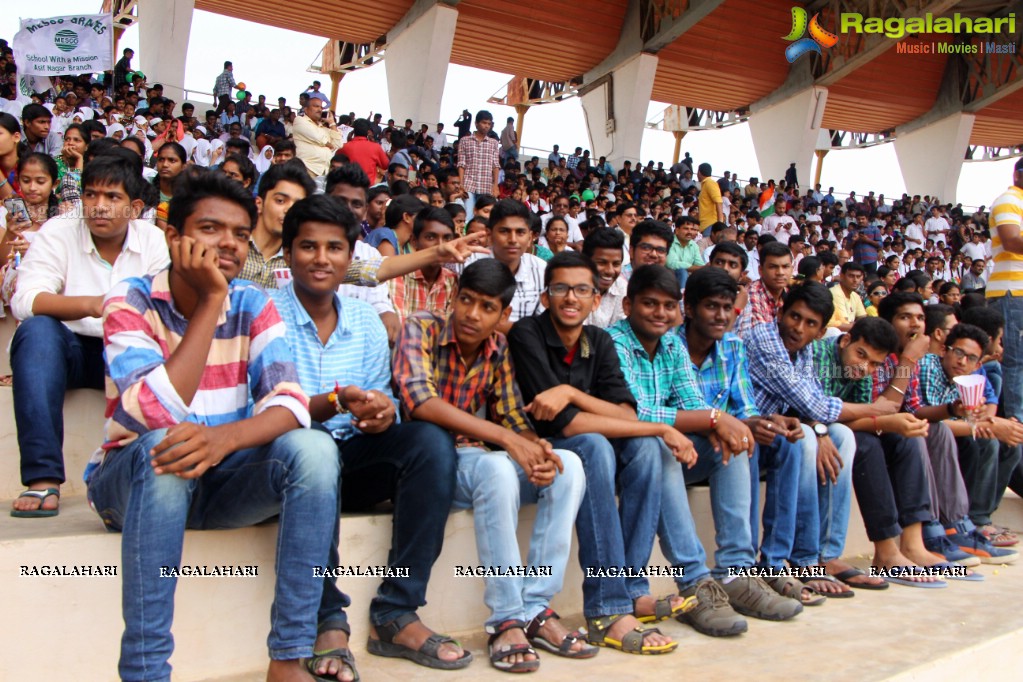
(369,155)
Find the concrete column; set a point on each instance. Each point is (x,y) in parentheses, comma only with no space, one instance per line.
(417,66)
(164,27)
(615,110)
(786,132)
(932,157)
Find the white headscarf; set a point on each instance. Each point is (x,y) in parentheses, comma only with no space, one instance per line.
(116,128)
(265,159)
(201,152)
(215,147)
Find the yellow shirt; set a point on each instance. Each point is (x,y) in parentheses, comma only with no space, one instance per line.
(710,197)
(1008,273)
(846,309)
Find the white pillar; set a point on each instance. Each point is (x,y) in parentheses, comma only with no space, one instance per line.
(164,27)
(615,110)
(417,66)
(787,132)
(932,157)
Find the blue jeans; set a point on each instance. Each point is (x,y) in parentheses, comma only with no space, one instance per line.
(413,464)
(729,499)
(782,461)
(986,465)
(47,359)
(822,513)
(676,530)
(470,203)
(635,464)
(1011,307)
(494,486)
(295,476)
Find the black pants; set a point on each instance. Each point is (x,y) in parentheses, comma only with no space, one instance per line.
(890,480)
(222,102)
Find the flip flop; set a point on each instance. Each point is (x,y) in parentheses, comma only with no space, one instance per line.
(850,573)
(953,569)
(38,513)
(911,570)
(806,580)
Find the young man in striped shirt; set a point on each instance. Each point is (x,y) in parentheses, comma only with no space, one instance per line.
(205,411)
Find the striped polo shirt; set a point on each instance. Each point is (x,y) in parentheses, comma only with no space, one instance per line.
(1008,273)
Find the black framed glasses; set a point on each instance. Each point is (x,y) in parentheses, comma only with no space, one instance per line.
(960,354)
(580,290)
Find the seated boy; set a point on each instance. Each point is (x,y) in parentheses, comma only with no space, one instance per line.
(204,412)
(444,372)
(71,266)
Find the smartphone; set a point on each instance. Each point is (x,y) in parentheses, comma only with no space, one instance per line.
(17,206)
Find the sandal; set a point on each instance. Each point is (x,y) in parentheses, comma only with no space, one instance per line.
(999,536)
(663,609)
(498,656)
(341,653)
(426,655)
(848,574)
(563,649)
(806,580)
(632,643)
(40,495)
(790,587)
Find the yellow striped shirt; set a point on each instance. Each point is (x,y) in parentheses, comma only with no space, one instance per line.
(1008,272)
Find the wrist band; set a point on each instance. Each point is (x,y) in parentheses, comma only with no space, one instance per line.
(714,412)
(334,398)
(876,429)
(897,389)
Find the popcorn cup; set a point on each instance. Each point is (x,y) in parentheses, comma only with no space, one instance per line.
(282,276)
(971,392)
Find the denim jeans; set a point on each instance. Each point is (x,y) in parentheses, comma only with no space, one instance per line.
(494,486)
(682,275)
(986,465)
(635,463)
(676,531)
(730,492)
(822,511)
(470,203)
(890,479)
(949,499)
(782,461)
(412,464)
(1011,307)
(47,359)
(993,370)
(295,476)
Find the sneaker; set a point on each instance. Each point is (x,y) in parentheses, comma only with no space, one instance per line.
(713,615)
(936,541)
(972,541)
(751,596)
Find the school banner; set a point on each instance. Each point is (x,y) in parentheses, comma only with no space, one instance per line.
(76,43)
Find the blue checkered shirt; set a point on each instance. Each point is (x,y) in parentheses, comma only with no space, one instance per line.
(724,376)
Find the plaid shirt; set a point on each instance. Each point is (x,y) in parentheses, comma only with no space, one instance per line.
(479,158)
(361,271)
(762,308)
(662,386)
(528,283)
(724,376)
(863,252)
(827,363)
(224,83)
(886,373)
(936,388)
(412,293)
(781,381)
(428,364)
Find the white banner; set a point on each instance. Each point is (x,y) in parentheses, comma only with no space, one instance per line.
(76,43)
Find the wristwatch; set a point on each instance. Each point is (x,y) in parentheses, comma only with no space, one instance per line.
(821,430)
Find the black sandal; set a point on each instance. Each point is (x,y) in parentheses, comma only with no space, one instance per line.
(426,655)
(563,649)
(497,656)
(341,653)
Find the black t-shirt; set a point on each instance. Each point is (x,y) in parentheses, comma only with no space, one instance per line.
(539,357)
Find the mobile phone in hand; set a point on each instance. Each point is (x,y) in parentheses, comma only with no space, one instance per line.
(16,206)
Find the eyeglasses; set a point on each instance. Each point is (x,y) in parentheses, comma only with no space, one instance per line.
(960,354)
(580,290)
(647,248)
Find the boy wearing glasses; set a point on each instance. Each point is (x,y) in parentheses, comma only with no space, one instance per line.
(650,243)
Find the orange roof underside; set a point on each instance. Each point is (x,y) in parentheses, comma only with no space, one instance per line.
(730,59)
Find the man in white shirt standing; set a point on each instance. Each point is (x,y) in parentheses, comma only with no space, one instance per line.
(72,264)
(780,224)
(316,138)
(936,227)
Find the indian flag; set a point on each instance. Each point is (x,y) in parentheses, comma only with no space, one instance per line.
(766,207)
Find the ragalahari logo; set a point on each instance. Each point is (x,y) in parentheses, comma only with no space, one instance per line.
(819,37)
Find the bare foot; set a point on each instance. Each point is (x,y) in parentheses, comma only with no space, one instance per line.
(923,557)
(626,623)
(415,634)
(554,632)
(898,560)
(837,566)
(510,638)
(34,503)
(288,671)
(332,666)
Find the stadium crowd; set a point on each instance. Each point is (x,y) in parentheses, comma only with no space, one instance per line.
(299,314)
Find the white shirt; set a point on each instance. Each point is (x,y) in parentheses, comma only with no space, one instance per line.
(610,309)
(376,296)
(63,260)
(936,228)
(914,231)
(574,233)
(753,267)
(780,224)
(974,251)
(528,284)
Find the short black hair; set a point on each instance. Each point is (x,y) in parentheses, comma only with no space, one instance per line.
(809,266)
(853,266)
(919,278)
(284,146)
(968,331)
(710,281)
(438,215)
(774,249)
(905,285)
(197,184)
(31,112)
(110,169)
(947,287)
(815,295)
(891,303)
(972,300)
(935,316)
(651,228)
(827,258)
(350,174)
(320,208)
(245,167)
(732,249)
(655,277)
(989,319)
(877,333)
(399,206)
(489,277)
(603,239)
(508,208)
(289,171)
(565,260)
